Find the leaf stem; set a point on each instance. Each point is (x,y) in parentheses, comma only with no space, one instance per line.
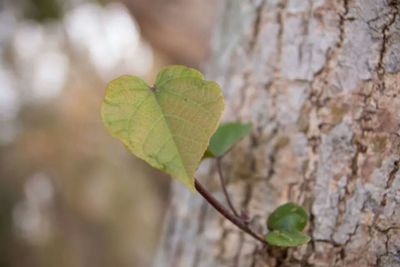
(236,220)
(223,185)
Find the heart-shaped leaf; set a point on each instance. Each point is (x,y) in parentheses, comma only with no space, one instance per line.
(225,137)
(168,125)
(285,224)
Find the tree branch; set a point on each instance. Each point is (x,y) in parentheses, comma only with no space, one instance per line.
(236,220)
(223,185)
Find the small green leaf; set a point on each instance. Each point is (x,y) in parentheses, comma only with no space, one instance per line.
(226,136)
(169,125)
(285,224)
(289,217)
(286,238)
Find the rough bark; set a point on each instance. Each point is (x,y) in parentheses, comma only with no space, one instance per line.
(319,80)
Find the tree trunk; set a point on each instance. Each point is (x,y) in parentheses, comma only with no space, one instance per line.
(320,81)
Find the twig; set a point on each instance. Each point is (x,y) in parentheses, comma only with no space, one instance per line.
(236,220)
(223,185)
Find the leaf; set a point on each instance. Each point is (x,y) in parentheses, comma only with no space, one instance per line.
(289,216)
(286,238)
(226,136)
(168,125)
(208,154)
(285,224)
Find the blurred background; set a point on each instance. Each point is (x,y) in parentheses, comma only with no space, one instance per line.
(70,194)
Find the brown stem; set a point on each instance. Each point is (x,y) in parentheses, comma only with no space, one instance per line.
(225,212)
(223,185)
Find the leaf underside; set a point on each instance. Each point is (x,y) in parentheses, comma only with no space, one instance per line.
(286,238)
(168,125)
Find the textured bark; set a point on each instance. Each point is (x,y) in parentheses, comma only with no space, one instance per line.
(319,80)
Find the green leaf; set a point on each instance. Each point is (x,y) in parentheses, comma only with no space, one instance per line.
(289,216)
(286,238)
(285,224)
(226,136)
(168,125)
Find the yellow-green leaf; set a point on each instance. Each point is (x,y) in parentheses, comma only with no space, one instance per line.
(168,125)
